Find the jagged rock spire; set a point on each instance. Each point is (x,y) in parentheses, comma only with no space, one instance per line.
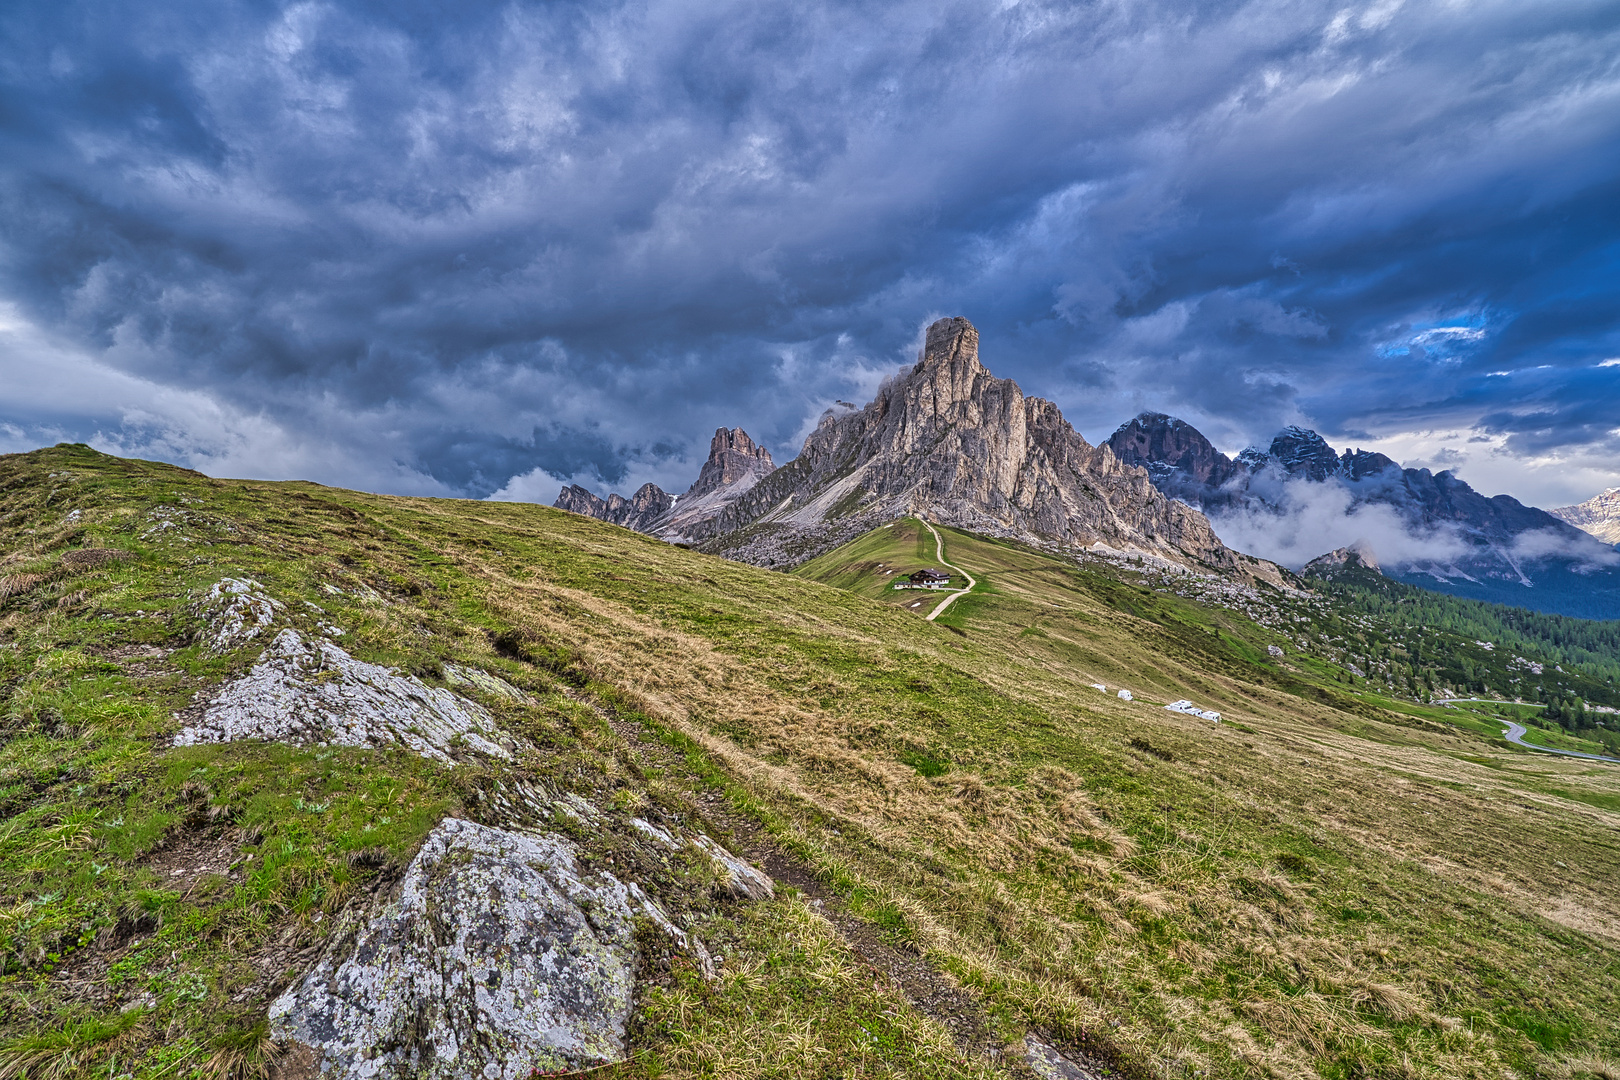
(733,457)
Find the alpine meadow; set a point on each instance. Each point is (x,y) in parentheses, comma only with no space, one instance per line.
(983,864)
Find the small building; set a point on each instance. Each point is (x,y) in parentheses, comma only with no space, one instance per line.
(925,579)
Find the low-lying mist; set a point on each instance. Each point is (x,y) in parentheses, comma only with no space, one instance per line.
(1304,519)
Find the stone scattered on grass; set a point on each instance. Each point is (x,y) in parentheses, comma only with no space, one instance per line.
(1046,1063)
(742,880)
(494,685)
(500,958)
(235,611)
(309,691)
(737,877)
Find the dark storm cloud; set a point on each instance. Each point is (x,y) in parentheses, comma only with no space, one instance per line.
(456,248)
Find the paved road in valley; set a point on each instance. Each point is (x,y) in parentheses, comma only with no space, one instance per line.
(939,552)
(1515,732)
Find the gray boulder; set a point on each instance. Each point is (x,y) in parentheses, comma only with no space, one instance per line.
(499,957)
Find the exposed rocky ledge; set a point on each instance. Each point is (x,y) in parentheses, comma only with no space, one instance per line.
(309,691)
(499,957)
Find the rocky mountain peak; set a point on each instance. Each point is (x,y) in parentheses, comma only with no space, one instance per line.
(1163,444)
(1304,453)
(639,511)
(1599,515)
(1357,554)
(948,366)
(950,341)
(1363,463)
(733,458)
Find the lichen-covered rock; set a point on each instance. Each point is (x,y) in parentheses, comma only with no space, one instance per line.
(494,685)
(499,957)
(235,611)
(736,876)
(741,880)
(309,691)
(1045,1062)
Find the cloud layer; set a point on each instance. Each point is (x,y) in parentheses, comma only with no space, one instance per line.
(496,246)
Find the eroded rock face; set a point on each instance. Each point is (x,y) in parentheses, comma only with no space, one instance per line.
(642,511)
(734,460)
(309,691)
(953,443)
(736,463)
(499,957)
(1599,515)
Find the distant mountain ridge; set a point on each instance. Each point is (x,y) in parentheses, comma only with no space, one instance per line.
(949,441)
(735,464)
(1599,516)
(1506,552)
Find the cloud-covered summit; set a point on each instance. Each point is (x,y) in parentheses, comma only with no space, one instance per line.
(487,247)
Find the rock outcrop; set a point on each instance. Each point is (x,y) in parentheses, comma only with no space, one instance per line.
(309,691)
(1599,516)
(500,958)
(235,611)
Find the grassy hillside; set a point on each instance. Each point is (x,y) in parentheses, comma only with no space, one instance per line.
(1318,886)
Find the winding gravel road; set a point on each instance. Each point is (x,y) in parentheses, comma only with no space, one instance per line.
(939,552)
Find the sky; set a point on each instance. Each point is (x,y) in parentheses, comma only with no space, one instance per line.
(484,249)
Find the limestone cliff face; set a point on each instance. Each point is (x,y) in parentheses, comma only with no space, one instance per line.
(1599,515)
(953,443)
(736,463)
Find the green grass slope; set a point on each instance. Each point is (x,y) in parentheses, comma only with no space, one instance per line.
(1319,886)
